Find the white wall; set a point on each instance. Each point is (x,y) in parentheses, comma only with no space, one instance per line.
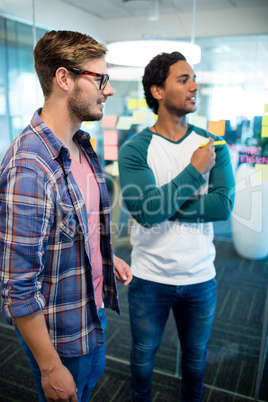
(55,14)
(242,21)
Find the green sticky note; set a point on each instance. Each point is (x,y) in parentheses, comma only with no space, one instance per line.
(139,117)
(124,123)
(261,172)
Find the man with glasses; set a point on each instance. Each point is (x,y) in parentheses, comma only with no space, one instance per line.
(174,187)
(56,260)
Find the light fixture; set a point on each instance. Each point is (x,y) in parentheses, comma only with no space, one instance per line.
(138,53)
(154,10)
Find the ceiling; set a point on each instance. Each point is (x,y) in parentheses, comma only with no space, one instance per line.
(235,58)
(109,9)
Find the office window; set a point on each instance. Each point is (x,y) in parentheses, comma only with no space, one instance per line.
(20,93)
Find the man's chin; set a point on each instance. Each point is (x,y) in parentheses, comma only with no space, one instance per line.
(95,117)
(192,110)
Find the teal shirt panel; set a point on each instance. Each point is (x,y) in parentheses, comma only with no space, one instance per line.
(218,203)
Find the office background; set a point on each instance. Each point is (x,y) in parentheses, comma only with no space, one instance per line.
(233,88)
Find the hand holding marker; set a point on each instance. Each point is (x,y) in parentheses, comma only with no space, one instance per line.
(215,143)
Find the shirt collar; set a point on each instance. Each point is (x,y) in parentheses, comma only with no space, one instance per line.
(51,141)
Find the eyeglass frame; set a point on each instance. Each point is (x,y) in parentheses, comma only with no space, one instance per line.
(104,77)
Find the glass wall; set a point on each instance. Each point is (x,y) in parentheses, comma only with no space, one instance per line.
(20,93)
(229,92)
(233,91)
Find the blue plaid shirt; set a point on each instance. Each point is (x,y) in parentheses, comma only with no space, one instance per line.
(44,248)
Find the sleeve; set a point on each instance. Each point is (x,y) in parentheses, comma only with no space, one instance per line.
(26,210)
(218,203)
(147,203)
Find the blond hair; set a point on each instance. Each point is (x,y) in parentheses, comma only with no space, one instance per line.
(63,49)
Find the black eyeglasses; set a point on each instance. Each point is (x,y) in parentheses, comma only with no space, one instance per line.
(104,77)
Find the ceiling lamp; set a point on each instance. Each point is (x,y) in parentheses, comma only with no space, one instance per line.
(138,53)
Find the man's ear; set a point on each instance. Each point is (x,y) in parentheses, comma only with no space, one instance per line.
(62,77)
(156,92)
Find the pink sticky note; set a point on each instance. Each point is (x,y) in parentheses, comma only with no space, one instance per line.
(110,137)
(109,121)
(110,152)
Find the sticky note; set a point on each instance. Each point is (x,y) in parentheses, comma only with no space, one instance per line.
(88,122)
(217,127)
(132,104)
(110,152)
(93,143)
(109,121)
(142,104)
(115,169)
(110,137)
(264,121)
(264,131)
(266,108)
(261,172)
(139,117)
(200,121)
(124,123)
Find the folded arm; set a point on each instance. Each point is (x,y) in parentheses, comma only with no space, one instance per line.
(218,203)
(147,203)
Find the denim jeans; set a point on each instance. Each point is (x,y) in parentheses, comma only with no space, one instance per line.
(86,369)
(193,308)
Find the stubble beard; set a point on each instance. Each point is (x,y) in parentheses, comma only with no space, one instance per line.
(78,107)
(178,111)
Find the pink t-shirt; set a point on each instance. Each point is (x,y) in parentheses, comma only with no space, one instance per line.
(88,186)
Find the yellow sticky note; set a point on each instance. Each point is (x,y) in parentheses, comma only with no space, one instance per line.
(124,123)
(266,108)
(217,127)
(264,131)
(93,143)
(132,104)
(88,122)
(261,172)
(264,121)
(139,117)
(142,104)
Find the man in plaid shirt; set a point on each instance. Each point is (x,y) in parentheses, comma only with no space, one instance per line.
(56,260)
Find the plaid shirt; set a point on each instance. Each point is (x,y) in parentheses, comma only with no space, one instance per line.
(44,249)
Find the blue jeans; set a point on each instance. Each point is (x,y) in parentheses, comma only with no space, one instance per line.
(193,308)
(86,369)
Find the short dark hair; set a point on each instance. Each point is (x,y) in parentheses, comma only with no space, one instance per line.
(156,73)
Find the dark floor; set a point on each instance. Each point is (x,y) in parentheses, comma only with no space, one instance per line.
(234,345)
(17,384)
(233,350)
